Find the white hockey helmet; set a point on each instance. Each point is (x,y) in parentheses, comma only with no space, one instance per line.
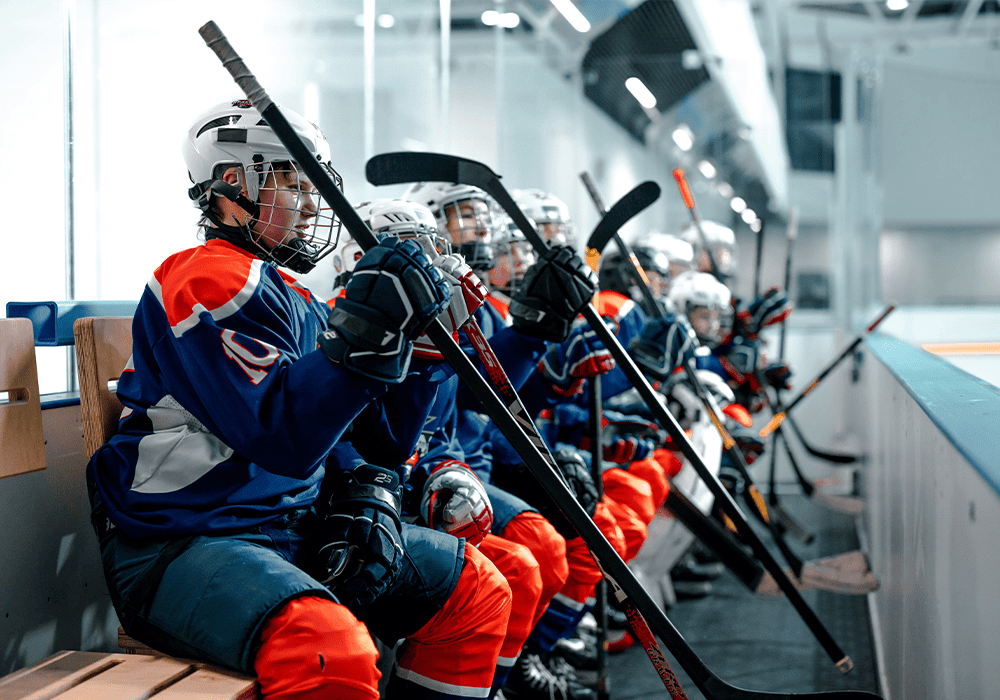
(234,134)
(704,300)
(513,254)
(550,214)
(722,244)
(403,219)
(465,214)
(678,252)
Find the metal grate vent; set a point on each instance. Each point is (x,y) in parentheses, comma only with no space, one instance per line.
(647,43)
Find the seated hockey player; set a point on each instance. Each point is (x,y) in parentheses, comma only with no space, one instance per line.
(739,355)
(549,214)
(661,256)
(207,503)
(443,491)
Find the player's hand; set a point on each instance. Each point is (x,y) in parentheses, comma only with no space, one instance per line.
(467,294)
(552,294)
(581,356)
(393,295)
(664,345)
(364,549)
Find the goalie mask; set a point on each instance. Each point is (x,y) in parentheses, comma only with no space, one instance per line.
(721,242)
(514,254)
(706,303)
(550,214)
(466,214)
(284,220)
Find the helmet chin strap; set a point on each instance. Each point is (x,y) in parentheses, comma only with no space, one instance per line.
(297,255)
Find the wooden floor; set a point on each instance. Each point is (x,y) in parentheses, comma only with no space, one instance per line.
(761,643)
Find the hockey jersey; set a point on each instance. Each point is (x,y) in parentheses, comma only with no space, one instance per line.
(230,408)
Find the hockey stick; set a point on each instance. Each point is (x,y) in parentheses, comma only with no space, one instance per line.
(780,416)
(601,592)
(792,234)
(750,493)
(758,261)
(623,210)
(842,504)
(682,184)
(403,167)
(835,457)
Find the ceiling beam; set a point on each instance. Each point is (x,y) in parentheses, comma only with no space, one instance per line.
(969,14)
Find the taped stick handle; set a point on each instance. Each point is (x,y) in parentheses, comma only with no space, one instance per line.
(218,42)
(688,198)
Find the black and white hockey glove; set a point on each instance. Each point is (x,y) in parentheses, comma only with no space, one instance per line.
(468,293)
(364,550)
(456,502)
(553,292)
(393,295)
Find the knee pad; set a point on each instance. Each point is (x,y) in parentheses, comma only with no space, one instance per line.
(522,571)
(632,526)
(652,473)
(313,648)
(549,547)
(460,645)
(630,490)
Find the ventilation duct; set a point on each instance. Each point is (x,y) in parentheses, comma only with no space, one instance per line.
(703,62)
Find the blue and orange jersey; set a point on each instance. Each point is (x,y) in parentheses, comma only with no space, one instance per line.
(628,320)
(230,408)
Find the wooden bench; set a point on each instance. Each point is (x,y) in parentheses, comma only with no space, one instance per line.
(87,675)
(103,348)
(22,445)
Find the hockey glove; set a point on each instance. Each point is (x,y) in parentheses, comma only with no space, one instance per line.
(467,294)
(627,449)
(681,390)
(773,307)
(391,298)
(750,442)
(580,481)
(456,502)
(663,346)
(778,375)
(364,552)
(553,292)
(566,365)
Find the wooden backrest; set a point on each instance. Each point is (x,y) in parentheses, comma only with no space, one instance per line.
(22,445)
(103,347)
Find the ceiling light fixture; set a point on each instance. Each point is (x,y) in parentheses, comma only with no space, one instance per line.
(683,137)
(507,20)
(641,93)
(576,19)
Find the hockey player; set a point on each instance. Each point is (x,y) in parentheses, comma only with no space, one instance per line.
(721,249)
(445,491)
(218,515)
(550,215)
(662,258)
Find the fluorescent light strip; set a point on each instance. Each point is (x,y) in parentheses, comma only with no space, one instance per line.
(576,19)
(640,92)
